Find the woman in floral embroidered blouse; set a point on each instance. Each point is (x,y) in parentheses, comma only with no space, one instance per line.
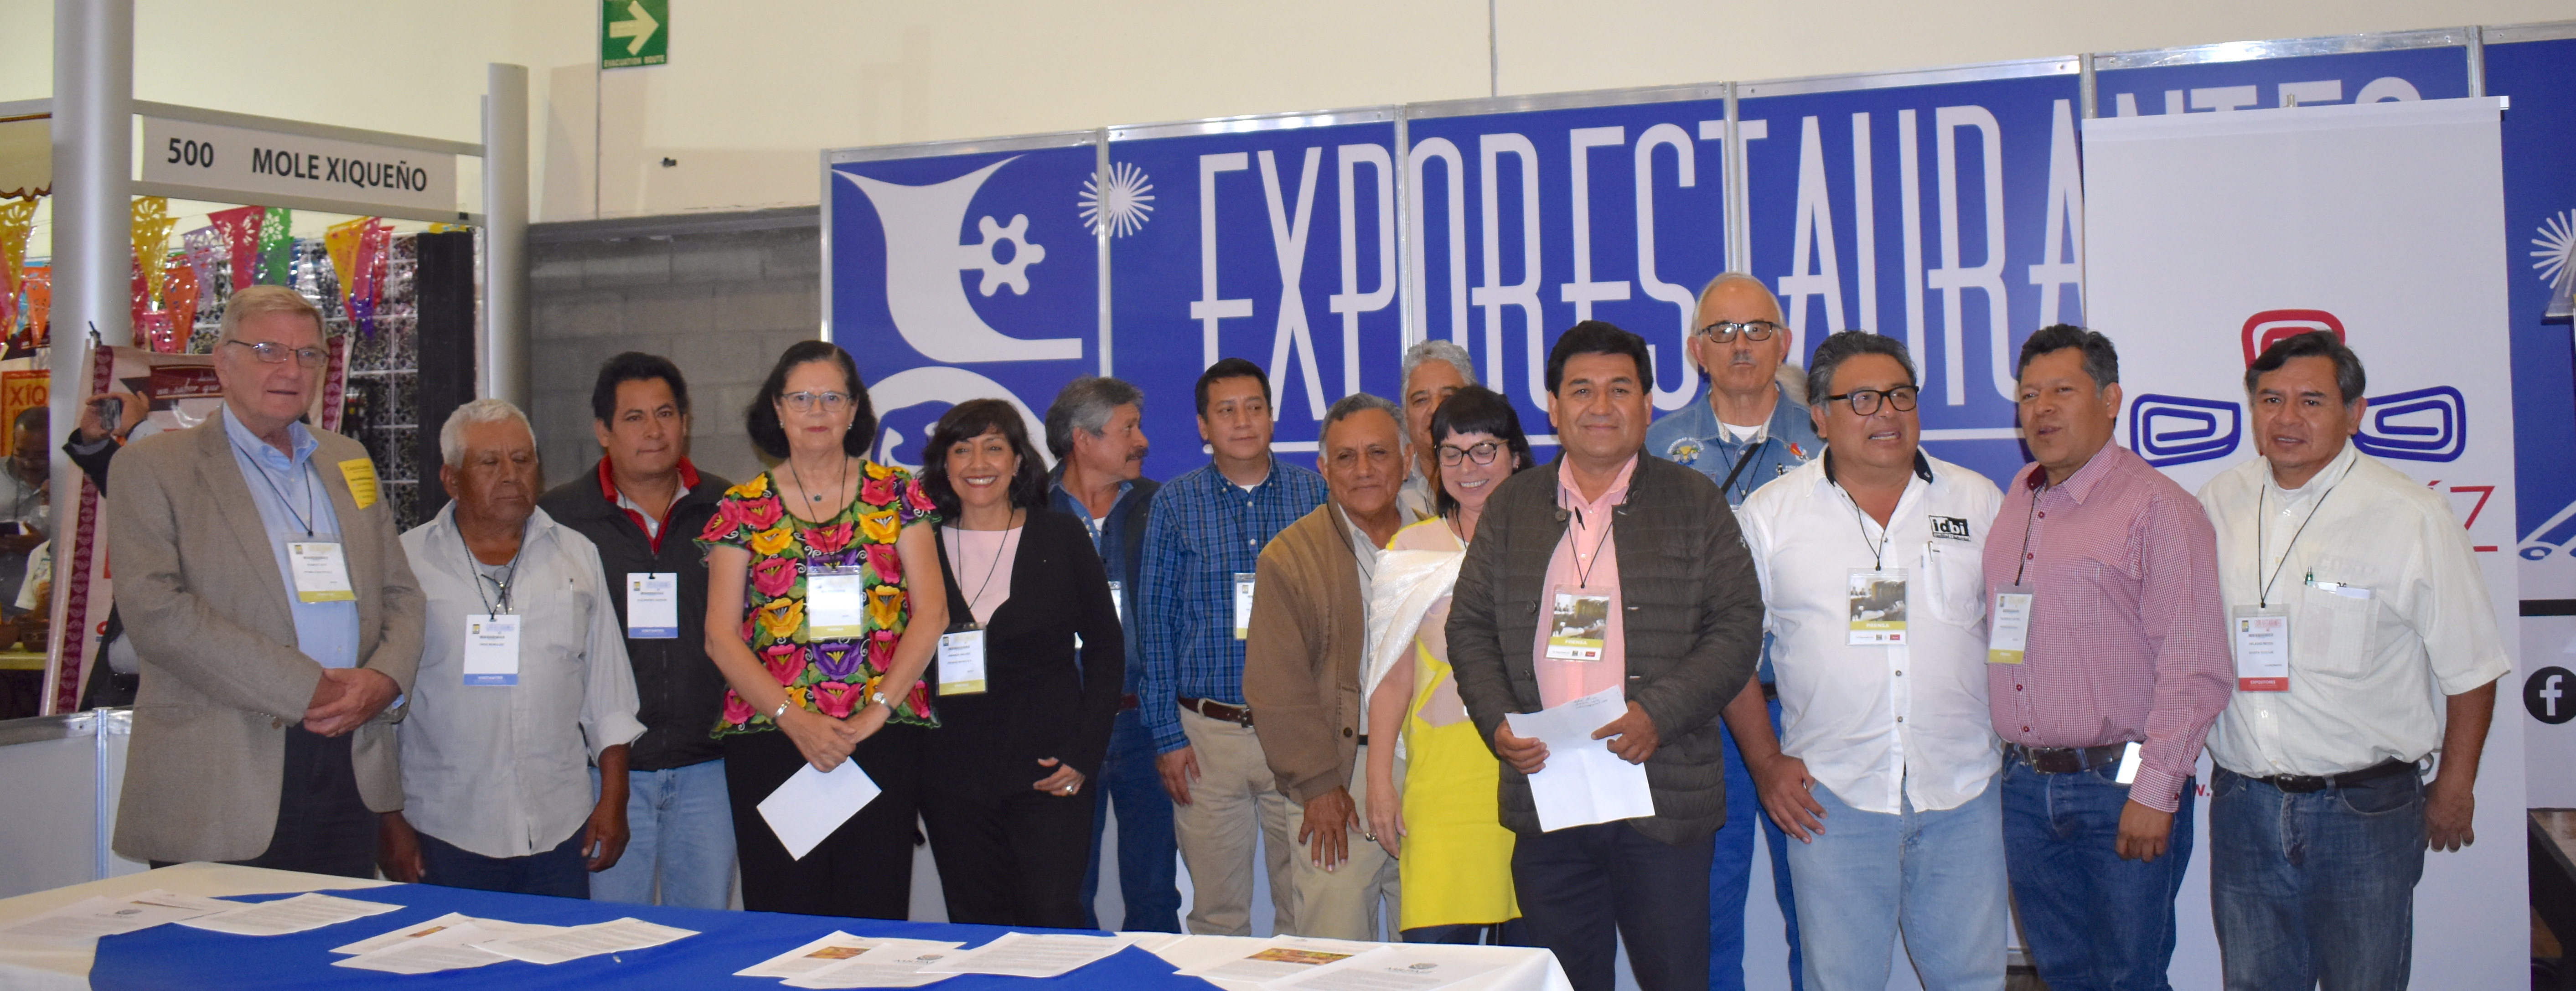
(824,603)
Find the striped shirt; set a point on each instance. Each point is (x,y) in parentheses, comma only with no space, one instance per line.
(1203,531)
(2127,638)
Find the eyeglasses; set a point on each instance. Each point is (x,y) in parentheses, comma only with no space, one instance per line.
(833,402)
(1724,331)
(1482,453)
(1865,401)
(275,354)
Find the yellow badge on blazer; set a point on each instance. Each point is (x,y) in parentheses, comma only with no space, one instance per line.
(361,474)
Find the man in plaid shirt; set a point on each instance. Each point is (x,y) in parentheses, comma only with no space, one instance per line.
(1203,542)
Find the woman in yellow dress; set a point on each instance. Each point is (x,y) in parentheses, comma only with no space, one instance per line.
(1438,815)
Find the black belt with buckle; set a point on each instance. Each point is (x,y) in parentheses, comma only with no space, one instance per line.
(1240,715)
(2304,783)
(2066,760)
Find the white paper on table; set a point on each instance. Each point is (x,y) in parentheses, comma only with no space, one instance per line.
(450,945)
(811,957)
(576,942)
(1278,957)
(311,910)
(91,918)
(1020,954)
(811,804)
(1583,782)
(488,928)
(893,963)
(1398,967)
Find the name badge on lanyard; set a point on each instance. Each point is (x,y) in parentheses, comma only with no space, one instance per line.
(1877,607)
(2261,637)
(2008,629)
(492,650)
(653,605)
(321,572)
(961,662)
(1578,625)
(1242,604)
(1118,600)
(836,603)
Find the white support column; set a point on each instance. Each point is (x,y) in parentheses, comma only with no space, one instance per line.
(503,364)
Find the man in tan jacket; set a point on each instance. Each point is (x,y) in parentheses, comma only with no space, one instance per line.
(1301,669)
(261,578)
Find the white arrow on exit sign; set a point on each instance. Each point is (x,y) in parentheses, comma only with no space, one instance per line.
(637,29)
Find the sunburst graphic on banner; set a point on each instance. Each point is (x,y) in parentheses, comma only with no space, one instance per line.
(2556,258)
(1124,204)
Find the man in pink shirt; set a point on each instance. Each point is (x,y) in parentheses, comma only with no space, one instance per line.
(1605,572)
(2107,662)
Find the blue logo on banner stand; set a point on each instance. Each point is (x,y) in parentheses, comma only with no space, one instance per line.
(2422,425)
(2174,430)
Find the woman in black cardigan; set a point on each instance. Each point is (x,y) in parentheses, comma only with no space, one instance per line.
(1019,736)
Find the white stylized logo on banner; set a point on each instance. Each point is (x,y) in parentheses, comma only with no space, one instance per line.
(923,256)
(939,384)
(1124,203)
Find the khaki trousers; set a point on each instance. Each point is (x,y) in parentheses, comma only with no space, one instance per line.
(1233,803)
(1345,902)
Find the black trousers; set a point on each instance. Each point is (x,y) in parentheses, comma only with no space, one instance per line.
(323,827)
(864,869)
(1009,859)
(1585,888)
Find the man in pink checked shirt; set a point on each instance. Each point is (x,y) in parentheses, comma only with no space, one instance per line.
(2106,665)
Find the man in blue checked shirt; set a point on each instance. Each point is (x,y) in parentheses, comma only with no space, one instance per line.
(1752,427)
(1202,543)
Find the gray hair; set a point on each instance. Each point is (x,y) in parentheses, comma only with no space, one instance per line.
(1726,277)
(1084,404)
(1832,351)
(1439,350)
(1351,405)
(451,438)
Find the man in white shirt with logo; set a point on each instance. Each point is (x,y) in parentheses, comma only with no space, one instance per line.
(2364,643)
(1871,560)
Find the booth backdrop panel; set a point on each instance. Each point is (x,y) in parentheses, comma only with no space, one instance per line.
(1273,241)
(1527,223)
(2338,251)
(2539,197)
(1949,215)
(961,276)
(2432,73)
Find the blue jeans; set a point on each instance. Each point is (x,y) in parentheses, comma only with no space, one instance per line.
(2094,922)
(680,827)
(1730,875)
(561,872)
(1937,877)
(1146,848)
(2315,886)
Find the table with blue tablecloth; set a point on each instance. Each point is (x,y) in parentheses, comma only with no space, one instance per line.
(173,956)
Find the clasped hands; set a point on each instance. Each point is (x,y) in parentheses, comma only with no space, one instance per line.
(346,698)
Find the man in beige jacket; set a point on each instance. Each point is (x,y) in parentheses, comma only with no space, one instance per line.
(261,578)
(1301,669)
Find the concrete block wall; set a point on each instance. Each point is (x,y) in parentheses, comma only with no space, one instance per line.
(721,295)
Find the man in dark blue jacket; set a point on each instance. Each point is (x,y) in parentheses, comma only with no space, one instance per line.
(1095,431)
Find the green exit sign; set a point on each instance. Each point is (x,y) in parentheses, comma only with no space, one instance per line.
(634,32)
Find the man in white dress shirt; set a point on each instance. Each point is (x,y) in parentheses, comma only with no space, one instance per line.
(2364,644)
(523,683)
(1871,559)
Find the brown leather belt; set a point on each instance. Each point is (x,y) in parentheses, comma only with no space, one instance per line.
(1240,715)
(2303,783)
(2066,760)
(1126,702)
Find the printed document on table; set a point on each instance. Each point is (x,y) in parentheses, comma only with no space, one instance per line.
(450,946)
(1401,967)
(1021,954)
(812,804)
(1583,782)
(1278,957)
(289,915)
(811,957)
(489,928)
(91,918)
(576,942)
(893,963)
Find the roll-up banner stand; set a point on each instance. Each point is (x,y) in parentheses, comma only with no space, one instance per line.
(2534,66)
(1269,238)
(961,270)
(1944,207)
(1531,214)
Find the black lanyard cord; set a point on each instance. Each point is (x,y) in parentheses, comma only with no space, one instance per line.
(2263,595)
(1583,566)
(303,519)
(1740,462)
(1878,554)
(474,565)
(2023,565)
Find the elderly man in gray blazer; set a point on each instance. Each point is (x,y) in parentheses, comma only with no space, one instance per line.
(262,579)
